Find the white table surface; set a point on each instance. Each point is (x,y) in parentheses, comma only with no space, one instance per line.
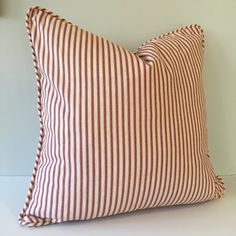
(216,217)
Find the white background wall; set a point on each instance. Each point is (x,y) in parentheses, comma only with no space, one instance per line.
(128,23)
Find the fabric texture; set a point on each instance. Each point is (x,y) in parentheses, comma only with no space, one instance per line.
(119,131)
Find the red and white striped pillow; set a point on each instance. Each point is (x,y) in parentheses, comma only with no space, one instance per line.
(119,131)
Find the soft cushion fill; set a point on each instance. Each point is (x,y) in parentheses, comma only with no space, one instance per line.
(119,131)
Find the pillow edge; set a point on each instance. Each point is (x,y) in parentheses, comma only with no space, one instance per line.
(23,218)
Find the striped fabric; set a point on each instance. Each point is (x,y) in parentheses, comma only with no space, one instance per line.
(119,131)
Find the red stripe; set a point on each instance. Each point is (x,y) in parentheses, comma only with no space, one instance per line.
(93,137)
(99,128)
(156,144)
(86,123)
(74,127)
(134,127)
(80,127)
(123,156)
(111,124)
(105,126)
(129,135)
(140,135)
(146,203)
(146,139)
(117,128)
(63,127)
(69,120)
